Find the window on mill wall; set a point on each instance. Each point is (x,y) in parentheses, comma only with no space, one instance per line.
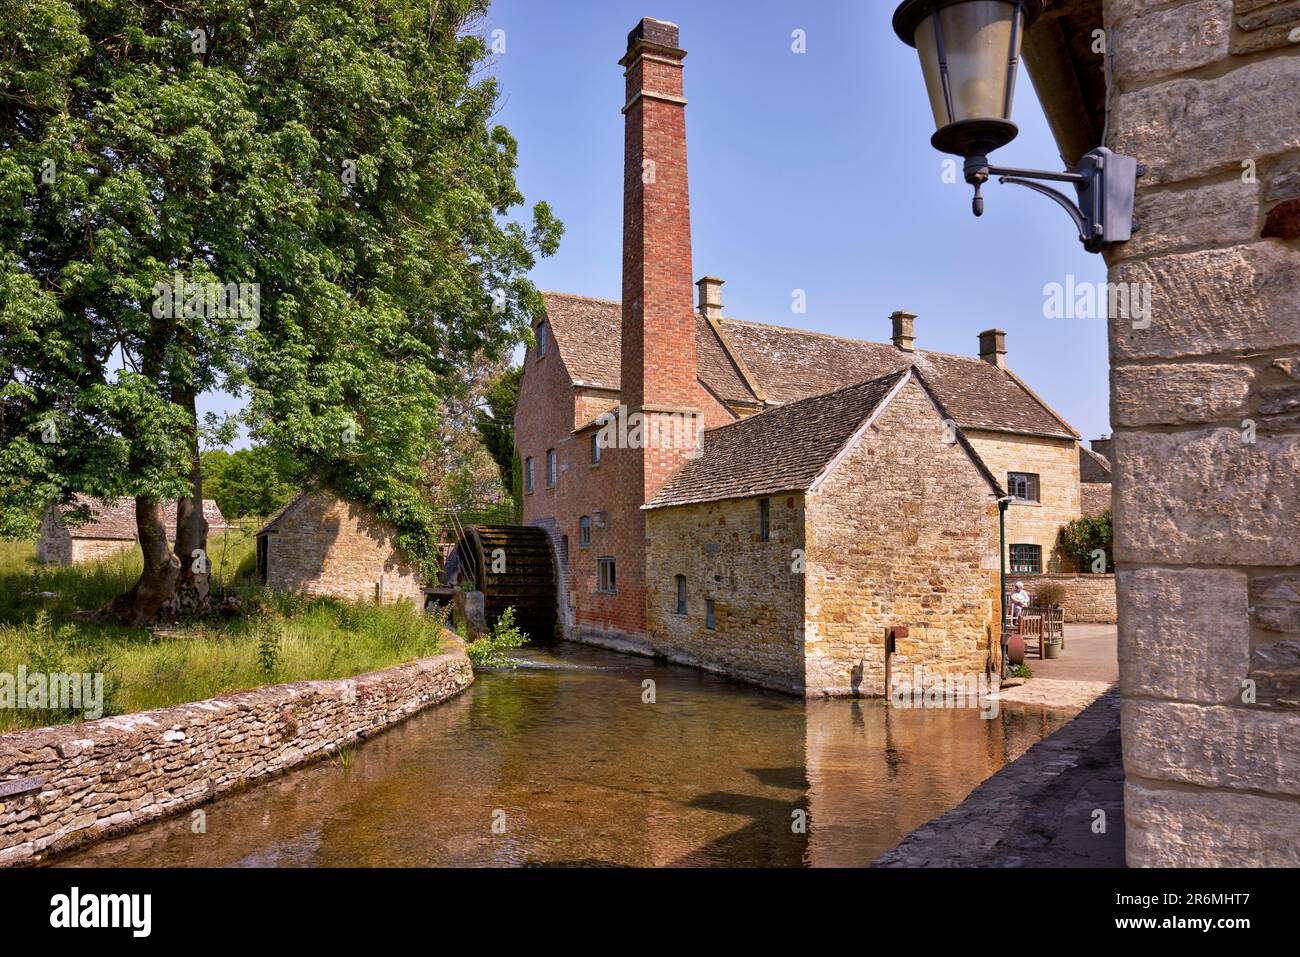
(681,594)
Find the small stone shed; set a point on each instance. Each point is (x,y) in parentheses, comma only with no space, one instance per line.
(111,530)
(320,545)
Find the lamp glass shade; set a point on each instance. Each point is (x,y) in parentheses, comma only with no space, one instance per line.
(980,42)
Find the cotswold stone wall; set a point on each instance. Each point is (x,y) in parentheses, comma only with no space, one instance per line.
(1089,599)
(1206,409)
(1056,463)
(324,546)
(758,597)
(1094,498)
(66,785)
(903,531)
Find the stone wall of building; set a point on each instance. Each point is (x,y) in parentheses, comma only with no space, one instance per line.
(1089,599)
(324,546)
(63,786)
(1056,463)
(1094,498)
(756,587)
(903,531)
(1206,409)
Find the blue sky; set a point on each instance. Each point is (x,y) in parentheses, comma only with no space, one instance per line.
(808,171)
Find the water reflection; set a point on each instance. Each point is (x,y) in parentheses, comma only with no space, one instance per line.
(579,771)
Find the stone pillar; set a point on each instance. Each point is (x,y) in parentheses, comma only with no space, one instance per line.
(1205,399)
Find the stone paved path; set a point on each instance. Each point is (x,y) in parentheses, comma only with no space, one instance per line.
(1038,811)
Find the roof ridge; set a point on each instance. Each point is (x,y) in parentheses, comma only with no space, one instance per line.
(575,295)
(819,397)
(867,342)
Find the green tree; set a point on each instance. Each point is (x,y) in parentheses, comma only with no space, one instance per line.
(496,424)
(253,481)
(336,158)
(1083,537)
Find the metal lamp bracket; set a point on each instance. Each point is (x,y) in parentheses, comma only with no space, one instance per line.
(1104,180)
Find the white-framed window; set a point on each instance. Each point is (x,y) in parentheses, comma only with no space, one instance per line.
(541,339)
(595,448)
(1022,486)
(1026,559)
(584,532)
(528,474)
(550,468)
(710,622)
(681,594)
(605,578)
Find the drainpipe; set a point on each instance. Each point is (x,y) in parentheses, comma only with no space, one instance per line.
(1002,582)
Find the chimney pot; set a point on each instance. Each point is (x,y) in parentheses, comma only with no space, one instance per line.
(903,330)
(993,347)
(710,297)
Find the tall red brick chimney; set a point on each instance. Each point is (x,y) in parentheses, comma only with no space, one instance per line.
(658,360)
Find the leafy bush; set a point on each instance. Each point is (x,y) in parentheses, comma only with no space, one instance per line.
(490,650)
(1052,593)
(1081,537)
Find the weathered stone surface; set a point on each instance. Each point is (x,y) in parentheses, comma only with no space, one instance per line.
(1265,25)
(1207,497)
(1185,128)
(1275,602)
(1282,181)
(1215,215)
(140,767)
(1172,40)
(1184,634)
(1180,394)
(1213,301)
(1181,828)
(1243,748)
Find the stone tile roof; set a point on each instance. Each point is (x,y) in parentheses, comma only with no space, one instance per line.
(285,509)
(790,364)
(115,518)
(1093,466)
(781,450)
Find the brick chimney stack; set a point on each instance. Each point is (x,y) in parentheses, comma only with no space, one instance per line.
(993,347)
(903,334)
(710,297)
(658,360)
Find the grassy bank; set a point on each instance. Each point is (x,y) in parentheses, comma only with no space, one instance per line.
(277,638)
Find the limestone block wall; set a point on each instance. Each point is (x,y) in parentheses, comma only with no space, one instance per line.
(328,547)
(903,531)
(1056,463)
(1206,412)
(756,587)
(1089,599)
(1094,498)
(77,783)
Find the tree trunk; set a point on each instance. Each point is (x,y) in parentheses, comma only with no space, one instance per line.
(193,585)
(141,603)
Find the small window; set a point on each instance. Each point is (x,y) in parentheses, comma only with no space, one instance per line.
(528,475)
(1023,486)
(584,531)
(595,448)
(1026,559)
(541,339)
(681,594)
(605,571)
(550,467)
(709,621)
(764,519)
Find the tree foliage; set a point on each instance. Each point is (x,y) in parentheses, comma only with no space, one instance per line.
(340,155)
(254,481)
(496,424)
(1083,536)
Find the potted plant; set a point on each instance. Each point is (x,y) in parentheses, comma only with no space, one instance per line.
(1049,596)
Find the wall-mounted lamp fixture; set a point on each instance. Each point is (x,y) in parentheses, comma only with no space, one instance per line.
(969,51)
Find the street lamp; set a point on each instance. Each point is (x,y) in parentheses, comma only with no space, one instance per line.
(969,52)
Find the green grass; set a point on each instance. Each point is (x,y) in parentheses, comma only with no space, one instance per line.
(276,638)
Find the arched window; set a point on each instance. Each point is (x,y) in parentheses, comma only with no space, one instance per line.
(681,594)
(584,531)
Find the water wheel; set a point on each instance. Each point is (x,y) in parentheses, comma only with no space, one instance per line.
(514,567)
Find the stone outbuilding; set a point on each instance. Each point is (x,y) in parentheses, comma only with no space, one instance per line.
(110,531)
(789,547)
(320,545)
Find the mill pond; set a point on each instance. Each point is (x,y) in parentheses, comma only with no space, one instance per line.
(562,761)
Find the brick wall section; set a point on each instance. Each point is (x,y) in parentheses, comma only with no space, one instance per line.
(327,547)
(1208,97)
(1056,463)
(1089,599)
(111,775)
(903,531)
(758,598)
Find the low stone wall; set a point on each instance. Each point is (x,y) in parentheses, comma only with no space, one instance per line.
(63,786)
(1089,599)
